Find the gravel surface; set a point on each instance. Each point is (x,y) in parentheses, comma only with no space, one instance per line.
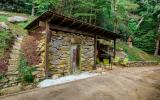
(138,83)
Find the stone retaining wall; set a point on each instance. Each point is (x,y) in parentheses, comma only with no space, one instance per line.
(59,52)
(9,81)
(142,63)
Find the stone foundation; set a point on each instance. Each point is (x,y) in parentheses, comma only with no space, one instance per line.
(142,63)
(59,52)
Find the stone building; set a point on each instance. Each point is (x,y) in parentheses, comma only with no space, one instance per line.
(70,45)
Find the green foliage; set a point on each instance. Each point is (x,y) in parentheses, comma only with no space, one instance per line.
(5,40)
(132,26)
(17,28)
(121,16)
(1,76)
(25,71)
(146,42)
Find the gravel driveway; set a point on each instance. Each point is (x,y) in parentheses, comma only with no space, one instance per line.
(138,83)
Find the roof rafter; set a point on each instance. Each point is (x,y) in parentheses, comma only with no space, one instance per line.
(66,23)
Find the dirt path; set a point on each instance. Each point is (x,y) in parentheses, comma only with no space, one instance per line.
(141,83)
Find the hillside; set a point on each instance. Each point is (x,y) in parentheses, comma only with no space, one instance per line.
(7,35)
(136,54)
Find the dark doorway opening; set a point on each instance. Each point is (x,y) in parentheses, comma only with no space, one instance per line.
(159,49)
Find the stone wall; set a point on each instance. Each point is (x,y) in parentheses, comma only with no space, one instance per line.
(59,52)
(142,63)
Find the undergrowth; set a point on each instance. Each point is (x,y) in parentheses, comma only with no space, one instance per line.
(25,71)
(5,41)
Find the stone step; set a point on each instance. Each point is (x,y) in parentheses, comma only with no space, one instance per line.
(18,41)
(15,51)
(12,69)
(12,73)
(12,66)
(19,38)
(16,47)
(14,56)
(17,44)
(13,61)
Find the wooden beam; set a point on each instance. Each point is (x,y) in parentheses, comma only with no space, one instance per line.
(114,41)
(79,26)
(99,30)
(72,23)
(62,22)
(95,51)
(92,30)
(86,28)
(65,29)
(42,24)
(47,39)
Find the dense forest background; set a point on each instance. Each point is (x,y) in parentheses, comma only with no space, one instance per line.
(139,19)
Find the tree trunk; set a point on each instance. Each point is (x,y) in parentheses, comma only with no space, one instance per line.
(95,20)
(157,42)
(71,3)
(115,20)
(139,23)
(90,17)
(60,7)
(157,48)
(33,9)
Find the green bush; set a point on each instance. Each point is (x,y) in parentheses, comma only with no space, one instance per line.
(1,76)
(25,71)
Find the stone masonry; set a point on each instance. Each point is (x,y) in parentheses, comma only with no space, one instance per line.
(59,52)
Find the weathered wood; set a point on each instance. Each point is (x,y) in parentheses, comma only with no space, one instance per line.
(42,24)
(48,32)
(95,51)
(114,42)
(77,25)
(65,29)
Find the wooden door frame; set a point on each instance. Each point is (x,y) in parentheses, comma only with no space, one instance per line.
(79,66)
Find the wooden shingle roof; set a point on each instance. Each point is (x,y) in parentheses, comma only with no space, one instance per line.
(60,22)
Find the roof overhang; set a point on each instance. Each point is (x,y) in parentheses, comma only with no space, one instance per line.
(60,22)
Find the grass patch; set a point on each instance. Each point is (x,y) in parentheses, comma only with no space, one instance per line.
(17,29)
(3,18)
(23,25)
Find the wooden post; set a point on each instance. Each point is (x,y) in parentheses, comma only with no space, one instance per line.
(114,48)
(47,30)
(95,51)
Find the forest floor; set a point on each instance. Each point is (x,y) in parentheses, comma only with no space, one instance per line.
(136,83)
